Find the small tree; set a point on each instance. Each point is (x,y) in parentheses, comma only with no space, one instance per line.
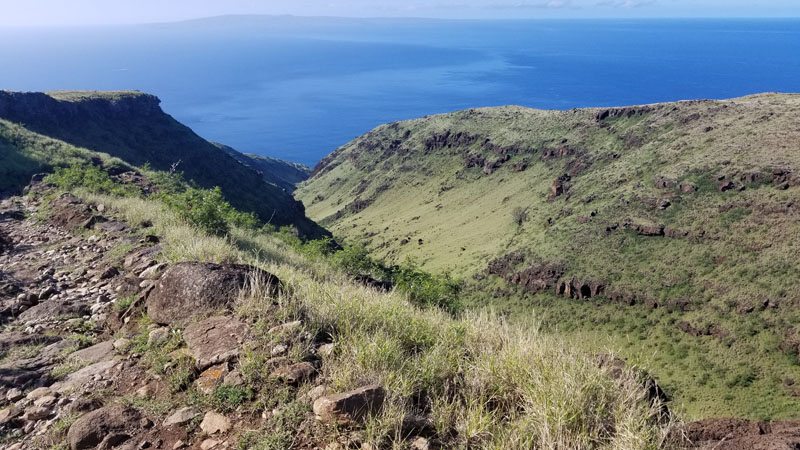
(519,215)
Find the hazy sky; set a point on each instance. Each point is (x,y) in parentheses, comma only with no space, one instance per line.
(69,12)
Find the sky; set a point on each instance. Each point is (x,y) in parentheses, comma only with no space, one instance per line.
(102,12)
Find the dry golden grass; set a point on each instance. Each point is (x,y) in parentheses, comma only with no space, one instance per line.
(483,382)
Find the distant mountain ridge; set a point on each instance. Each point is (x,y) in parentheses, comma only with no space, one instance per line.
(284,174)
(132,126)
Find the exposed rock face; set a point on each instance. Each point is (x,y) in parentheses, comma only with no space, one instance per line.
(537,278)
(215,340)
(579,289)
(353,406)
(449,139)
(625,112)
(111,423)
(559,187)
(135,129)
(191,289)
(738,434)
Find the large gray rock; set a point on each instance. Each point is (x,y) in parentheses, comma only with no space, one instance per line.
(190,289)
(111,421)
(181,416)
(103,351)
(353,406)
(215,340)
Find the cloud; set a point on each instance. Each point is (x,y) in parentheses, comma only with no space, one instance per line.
(522,4)
(629,4)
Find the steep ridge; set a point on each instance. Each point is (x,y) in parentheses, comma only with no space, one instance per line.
(284,174)
(686,212)
(132,127)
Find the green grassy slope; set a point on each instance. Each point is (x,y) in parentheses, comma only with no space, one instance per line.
(687,210)
(132,127)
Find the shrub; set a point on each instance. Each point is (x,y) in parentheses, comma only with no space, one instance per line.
(355,260)
(519,215)
(425,289)
(208,210)
(228,398)
(166,182)
(89,177)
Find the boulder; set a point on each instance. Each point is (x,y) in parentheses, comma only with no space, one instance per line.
(181,416)
(190,289)
(214,423)
(35,413)
(99,425)
(9,414)
(295,374)
(352,406)
(215,340)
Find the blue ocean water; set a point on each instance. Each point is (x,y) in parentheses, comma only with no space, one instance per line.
(298,88)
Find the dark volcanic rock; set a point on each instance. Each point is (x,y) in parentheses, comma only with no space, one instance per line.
(115,423)
(6,244)
(537,278)
(559,187)
(190,289)
(625,112)
(449,139)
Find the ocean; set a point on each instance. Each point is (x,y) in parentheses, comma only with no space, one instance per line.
(297,88)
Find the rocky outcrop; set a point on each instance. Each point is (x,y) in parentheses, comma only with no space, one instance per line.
(537,278)
(449,139)
(559,187)
(577,289)
(624,112)
(350,407)
(191,289)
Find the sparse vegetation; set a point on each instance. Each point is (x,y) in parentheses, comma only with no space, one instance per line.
(473,372)
(722,240)
(89,177)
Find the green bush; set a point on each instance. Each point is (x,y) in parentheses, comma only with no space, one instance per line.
(355,260)
(425,289)
(166,182)
(208,210)
(228,398)
(89,177)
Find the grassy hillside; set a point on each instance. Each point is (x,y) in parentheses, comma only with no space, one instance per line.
(474,382)
(670,231)
(132,127)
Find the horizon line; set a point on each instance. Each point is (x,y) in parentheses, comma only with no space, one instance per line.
(398,18)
